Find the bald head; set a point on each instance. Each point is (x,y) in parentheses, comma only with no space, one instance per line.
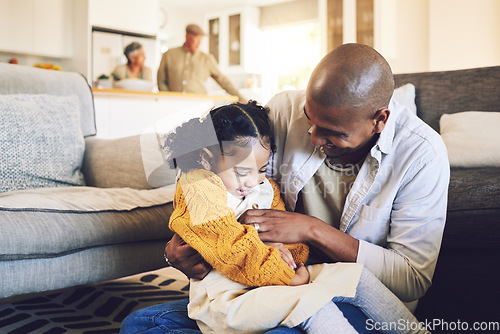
(352,76)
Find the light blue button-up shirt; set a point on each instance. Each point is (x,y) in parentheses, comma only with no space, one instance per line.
(396,207)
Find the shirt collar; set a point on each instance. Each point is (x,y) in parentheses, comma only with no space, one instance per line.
(187,51)
(384,143)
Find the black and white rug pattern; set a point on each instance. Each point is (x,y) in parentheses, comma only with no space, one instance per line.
(92,309)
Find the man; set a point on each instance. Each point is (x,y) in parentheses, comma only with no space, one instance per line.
(185,68)
(366,178)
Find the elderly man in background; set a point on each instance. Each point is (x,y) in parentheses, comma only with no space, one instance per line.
(185,68)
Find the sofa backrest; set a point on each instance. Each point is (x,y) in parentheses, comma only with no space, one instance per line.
(18,79)
(448,92)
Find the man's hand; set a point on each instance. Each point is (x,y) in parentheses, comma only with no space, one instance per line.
(292,227)
(280,226)
(186,259)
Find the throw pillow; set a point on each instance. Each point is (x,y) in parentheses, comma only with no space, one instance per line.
(41,141)
(472,138)
(405,95)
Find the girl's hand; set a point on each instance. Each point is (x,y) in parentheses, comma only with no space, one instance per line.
(301,276)
(285,253)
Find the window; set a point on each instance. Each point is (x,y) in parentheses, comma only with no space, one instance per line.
(291,52)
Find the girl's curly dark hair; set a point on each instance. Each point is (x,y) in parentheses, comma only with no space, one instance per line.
(233,123)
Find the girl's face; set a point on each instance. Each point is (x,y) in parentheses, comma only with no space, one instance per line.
(242,168)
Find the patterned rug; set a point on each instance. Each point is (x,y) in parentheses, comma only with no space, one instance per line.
(95,308)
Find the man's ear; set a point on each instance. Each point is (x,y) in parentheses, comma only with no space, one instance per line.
(206,158)
(380,119)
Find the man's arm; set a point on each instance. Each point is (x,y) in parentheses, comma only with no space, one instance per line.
(162,75)
(406,264)
(186,259)
(293,227)
(222,80)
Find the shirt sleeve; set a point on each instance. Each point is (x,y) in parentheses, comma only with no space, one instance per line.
(162,76)
(406,265)
(202,219)
(221,79)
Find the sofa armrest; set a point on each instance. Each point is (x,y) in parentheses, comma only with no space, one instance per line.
(118,163)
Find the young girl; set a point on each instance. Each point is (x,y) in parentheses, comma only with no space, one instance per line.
(223,158)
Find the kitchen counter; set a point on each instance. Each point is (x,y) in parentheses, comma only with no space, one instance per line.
(122,113)
(123,92)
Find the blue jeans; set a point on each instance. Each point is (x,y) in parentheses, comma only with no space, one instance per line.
(173,318)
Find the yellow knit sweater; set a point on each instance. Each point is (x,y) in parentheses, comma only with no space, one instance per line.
(202,219)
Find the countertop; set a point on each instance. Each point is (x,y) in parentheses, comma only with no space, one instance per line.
(131,93)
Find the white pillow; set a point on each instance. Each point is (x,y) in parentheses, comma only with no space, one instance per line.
(472,138)
(405,96)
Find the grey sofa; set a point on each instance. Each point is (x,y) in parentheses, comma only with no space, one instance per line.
(465,284)
(42,249)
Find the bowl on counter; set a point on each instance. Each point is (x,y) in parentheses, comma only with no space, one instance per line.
(135,84)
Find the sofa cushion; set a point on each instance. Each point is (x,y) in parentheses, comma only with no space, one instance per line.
(473,210)
(92,264)
(405,95)
(472,138)
(85,199)
(133,162)
(41,141)
(56,222)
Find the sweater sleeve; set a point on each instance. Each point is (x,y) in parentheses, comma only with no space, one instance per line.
(203,219)
(300,251)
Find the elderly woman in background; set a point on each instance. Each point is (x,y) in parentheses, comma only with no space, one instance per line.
(134,69)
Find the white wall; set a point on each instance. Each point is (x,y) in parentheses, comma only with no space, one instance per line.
(432,35)
(463,34)
(411,26)
(401,31)
(177,18)
(439,35)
